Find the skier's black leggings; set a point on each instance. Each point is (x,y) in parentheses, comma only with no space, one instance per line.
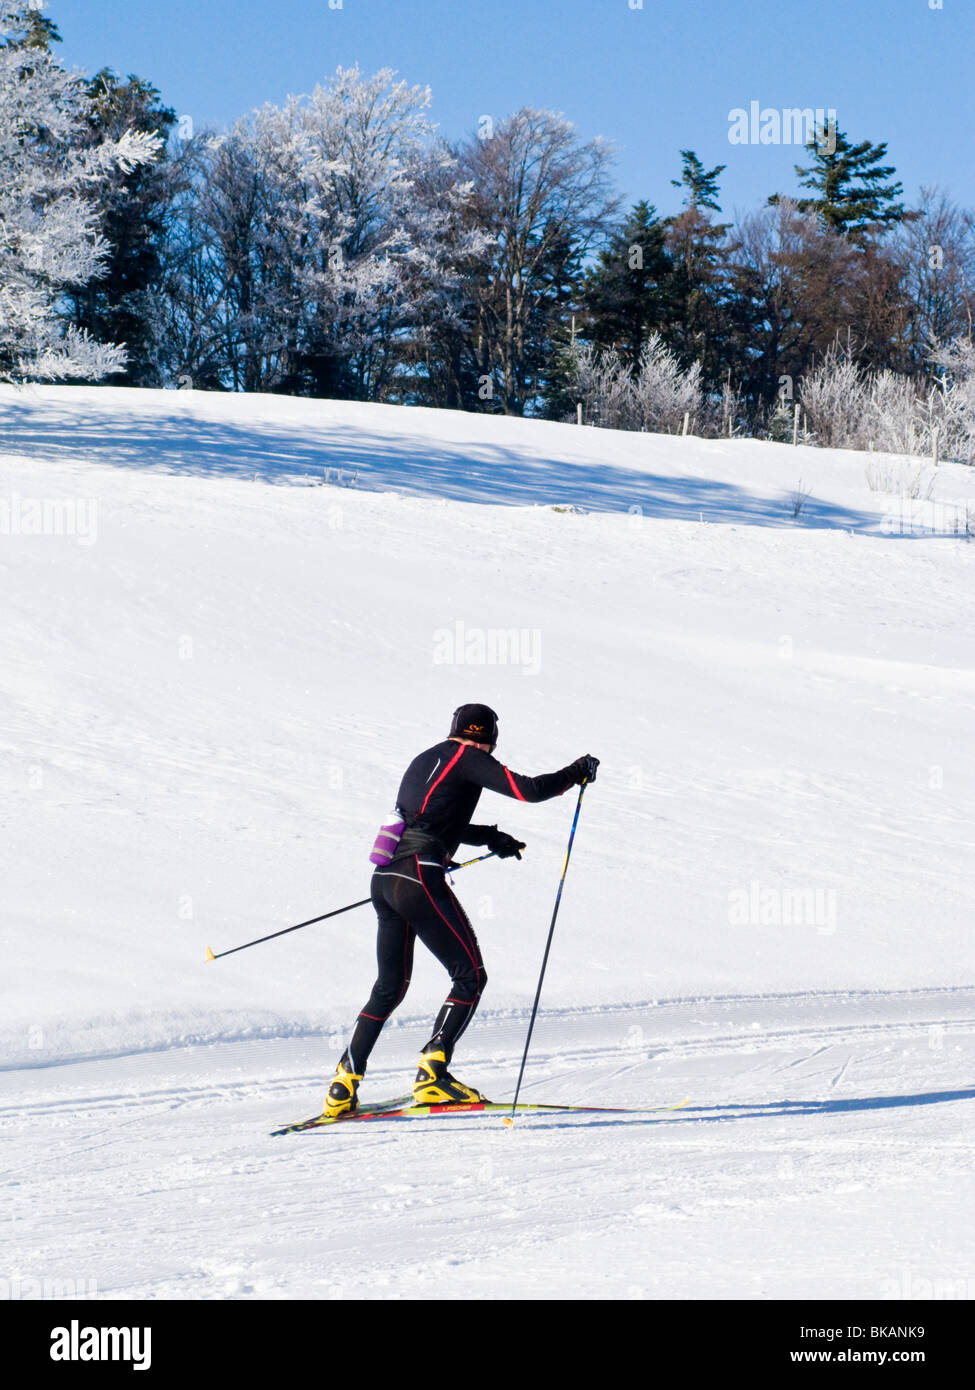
(412,900)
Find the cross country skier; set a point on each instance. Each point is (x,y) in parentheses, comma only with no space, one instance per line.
(437,797)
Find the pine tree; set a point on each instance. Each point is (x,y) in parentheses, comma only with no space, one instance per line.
(698,249)
(628,294)
(38,30)
(852,195)
(116,307)
(701,184)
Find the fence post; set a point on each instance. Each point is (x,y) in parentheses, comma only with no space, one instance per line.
(795,425)
(578,412)
(936,443)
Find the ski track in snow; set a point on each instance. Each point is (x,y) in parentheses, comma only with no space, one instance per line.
(165,1183)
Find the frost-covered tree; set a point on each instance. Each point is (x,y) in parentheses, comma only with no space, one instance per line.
(954,396)
(662,390)
(435,365)
(850,407)
(654,395)
(49,236)
(329,228)
(601,383)
(832,395)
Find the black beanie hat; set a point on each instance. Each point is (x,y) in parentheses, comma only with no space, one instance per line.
(476,722)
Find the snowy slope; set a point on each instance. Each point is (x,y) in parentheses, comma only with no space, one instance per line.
(209,687)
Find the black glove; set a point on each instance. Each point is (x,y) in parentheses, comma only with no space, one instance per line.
(504,846)
(583,769)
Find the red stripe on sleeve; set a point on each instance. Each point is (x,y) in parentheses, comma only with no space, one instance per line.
(512,785)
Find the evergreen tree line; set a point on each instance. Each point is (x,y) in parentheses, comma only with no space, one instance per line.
(336,246)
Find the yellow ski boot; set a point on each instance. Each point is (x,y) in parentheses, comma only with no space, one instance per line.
(342,1096)
(434,1084)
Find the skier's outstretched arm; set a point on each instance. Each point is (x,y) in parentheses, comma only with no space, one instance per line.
(487,772)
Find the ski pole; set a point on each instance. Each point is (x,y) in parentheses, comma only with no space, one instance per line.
(509,1119)
(324,917)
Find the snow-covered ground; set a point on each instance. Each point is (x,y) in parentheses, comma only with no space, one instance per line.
(229,622)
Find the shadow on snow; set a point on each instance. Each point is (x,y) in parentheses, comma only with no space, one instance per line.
(460,470)
(723,1114)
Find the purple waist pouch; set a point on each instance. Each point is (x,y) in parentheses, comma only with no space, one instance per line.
(387,841)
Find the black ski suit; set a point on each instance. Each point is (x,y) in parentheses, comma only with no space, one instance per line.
(437,797)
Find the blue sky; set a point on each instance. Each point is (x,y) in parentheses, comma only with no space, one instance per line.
(653,80)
